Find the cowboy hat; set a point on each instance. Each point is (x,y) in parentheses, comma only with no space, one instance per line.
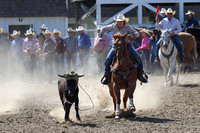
(99,27)
(70,29)
(121,17)
(48,32)
(189,12)
(169,10)
(57,31)
(80,28)
(145,31)
(29,32)
(15,33)
(163,10)
(43,27)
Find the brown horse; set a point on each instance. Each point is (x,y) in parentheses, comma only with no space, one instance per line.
(190,46)
(123,75)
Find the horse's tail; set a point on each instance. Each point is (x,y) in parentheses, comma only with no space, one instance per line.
(194,50)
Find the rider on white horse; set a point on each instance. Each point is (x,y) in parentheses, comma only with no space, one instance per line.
(173,25)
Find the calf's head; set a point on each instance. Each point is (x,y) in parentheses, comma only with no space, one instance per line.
(71,82)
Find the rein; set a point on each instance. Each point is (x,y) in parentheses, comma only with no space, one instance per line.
(169,55)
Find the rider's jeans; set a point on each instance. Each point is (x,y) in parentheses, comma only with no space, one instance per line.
(131,51)
(178,44)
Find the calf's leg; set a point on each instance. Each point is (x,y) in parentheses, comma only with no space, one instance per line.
(77,108)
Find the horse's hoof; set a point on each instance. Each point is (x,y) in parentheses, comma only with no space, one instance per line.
(117,117)
(132,108)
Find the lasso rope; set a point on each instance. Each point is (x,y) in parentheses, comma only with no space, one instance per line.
(82,60)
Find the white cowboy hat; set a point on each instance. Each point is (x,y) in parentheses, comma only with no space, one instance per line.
(189,12)
(163,10)
(43,27)
(169,10)
(15,33)
(121,17)
(48,32)
(57,31)
(99,27)
(70,29)
(80,28)
(29,32)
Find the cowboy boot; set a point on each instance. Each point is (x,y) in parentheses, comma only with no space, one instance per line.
(106,78)
(141,77)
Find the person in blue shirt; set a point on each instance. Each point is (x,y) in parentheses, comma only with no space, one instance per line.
(163,12)
(191,20)
(84,44)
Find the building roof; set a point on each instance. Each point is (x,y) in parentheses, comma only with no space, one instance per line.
(33,8)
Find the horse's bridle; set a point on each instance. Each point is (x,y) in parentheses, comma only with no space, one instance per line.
(121,49)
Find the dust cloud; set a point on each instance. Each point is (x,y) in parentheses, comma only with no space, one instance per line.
(18,91)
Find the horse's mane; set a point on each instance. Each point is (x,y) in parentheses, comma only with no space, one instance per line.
(118,34)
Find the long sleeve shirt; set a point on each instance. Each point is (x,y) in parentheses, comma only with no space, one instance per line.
(60,46)
(172,25)
(71,43)
(84,41)
(16,47)
(29,45)
(102,46)
(49,47)
(114,28)
(145,44)
(192,21)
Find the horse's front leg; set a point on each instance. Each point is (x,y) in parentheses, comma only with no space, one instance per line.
(165,74)
(118,101)
(170,72)
(132,86)
(125,97)
(177,72)
(77,109)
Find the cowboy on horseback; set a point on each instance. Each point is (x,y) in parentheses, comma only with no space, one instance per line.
(173,25)
(122,27)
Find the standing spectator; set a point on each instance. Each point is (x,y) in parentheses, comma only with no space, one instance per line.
(43,28)
(40,62)
(4,51)
(71,51)
(191,20)
(59,51)
(29,50)
(17,56)
(47,55)
(163,12)
(153,41)
(84,44)
(101,49)
(145,49)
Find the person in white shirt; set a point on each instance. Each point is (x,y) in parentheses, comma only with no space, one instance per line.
(173,25)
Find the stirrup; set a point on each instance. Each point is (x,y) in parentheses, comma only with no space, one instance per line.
(143,77)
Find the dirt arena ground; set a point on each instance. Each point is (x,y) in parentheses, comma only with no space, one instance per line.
(32,107)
